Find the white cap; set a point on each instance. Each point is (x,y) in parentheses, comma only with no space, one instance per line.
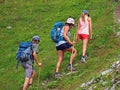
(70,21)
(36,38)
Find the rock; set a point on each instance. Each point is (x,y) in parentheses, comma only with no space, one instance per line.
(119,20)
(87,83)
(118,33)
(116,80)
(107,89)
(9,27)
(118,83)
(90,88)
(113,87)
(106,72)
(116,64)
(114,77)
(83,85)
(104,83)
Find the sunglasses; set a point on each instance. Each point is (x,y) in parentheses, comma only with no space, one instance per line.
(37,40)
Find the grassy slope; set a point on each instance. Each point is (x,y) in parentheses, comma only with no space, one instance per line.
(30,17)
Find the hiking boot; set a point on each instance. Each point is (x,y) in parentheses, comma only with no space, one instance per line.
(70,68)
(83,59)
(57,75)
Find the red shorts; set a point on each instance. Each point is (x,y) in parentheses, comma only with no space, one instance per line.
(83,36)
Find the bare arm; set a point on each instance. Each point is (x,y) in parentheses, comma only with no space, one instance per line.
(66,29)
(90,27)
(36,59)
(78,28)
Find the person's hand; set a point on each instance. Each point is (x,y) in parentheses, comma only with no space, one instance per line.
(72,43)
(76,39)
(90,37)
(40,64)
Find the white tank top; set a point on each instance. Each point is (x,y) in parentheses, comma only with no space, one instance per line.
(84,26)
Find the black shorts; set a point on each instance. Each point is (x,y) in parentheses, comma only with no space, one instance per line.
(63,46)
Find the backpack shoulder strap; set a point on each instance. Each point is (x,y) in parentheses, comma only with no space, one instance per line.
(17,64)
(31,46)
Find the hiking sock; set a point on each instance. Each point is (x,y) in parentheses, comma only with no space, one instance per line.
(83,59)
(56,72)
(69,64)
(83,56)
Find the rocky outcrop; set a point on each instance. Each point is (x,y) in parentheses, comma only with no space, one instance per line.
(107,80)
(117,14)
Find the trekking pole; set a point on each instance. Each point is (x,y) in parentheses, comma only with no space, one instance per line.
(38,77)
(72,52)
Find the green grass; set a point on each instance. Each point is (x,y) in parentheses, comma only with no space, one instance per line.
(30,17)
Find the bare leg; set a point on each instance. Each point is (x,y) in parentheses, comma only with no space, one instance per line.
(85,43)
(60,58)
(31,78)
(26,82)
(74,53)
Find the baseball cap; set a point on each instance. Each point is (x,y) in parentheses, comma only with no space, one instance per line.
(70,21)
(36,38)
(85,11)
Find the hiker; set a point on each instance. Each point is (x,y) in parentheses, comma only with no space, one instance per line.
(84,32)
(65,45)
(28,66)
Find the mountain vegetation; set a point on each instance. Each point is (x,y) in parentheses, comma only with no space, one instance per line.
(21,19)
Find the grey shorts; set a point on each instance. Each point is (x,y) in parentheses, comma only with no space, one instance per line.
(28,69)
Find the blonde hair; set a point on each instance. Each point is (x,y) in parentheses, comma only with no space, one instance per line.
(83,16)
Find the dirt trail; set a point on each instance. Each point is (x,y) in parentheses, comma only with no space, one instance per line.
(117,14)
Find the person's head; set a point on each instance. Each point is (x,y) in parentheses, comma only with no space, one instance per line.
(85,12)
(36,39)
(70,21)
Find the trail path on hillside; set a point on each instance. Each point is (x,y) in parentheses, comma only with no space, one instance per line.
(117,14)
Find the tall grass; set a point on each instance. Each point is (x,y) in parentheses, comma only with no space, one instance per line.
(21,19)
